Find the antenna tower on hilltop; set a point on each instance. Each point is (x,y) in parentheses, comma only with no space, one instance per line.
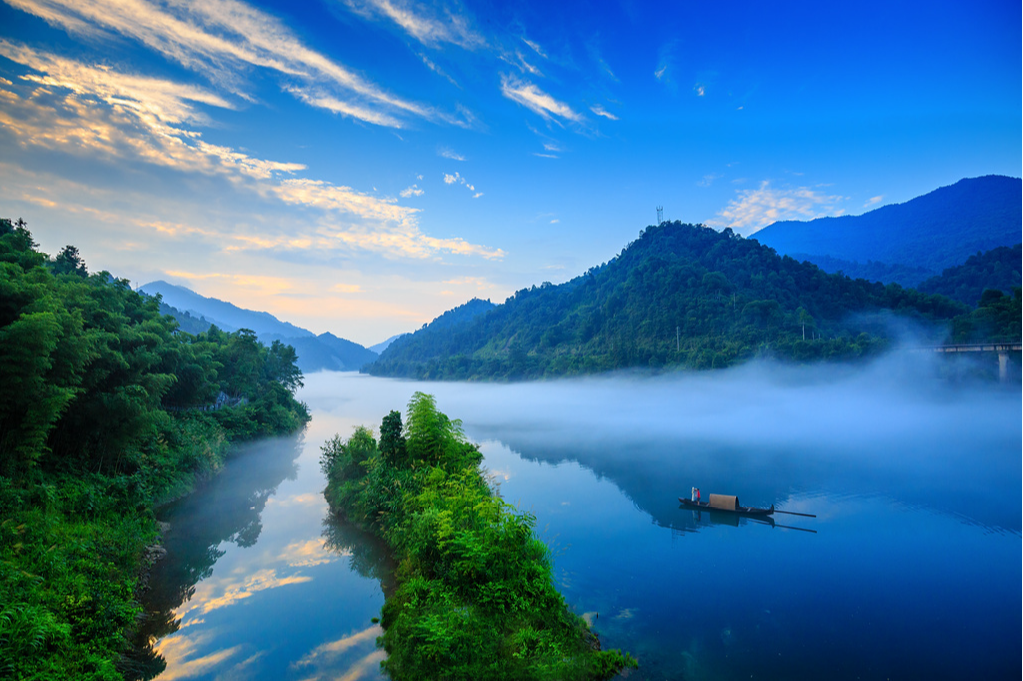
(660,214)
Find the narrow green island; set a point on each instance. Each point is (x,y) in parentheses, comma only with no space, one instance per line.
(107,410)
(475,596)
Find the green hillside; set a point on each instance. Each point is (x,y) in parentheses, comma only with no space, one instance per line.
(680,295)
(997,269)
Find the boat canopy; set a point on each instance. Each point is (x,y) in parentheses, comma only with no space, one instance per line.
(724,501)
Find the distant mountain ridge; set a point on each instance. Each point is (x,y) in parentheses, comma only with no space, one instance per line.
(932,232)
(228,316)
(195,312)
(380,347)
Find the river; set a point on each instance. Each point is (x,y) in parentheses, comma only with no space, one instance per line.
(911,568)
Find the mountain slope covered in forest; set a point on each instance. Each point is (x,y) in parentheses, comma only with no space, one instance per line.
(681,295)
(998,269)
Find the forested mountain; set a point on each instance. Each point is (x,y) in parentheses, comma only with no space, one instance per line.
(680,295)
(195,313)
(904,275)
(186,322)
(106,408)
(998,269)
(935,231)
(438,333)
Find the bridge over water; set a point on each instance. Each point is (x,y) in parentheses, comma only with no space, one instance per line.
(1003,350)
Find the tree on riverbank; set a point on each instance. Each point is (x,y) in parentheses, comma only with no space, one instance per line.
(95,429)
(475,595)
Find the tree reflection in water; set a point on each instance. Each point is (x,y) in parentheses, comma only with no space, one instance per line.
(367,553)
(226,509)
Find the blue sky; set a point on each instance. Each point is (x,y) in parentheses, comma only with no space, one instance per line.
(360,166)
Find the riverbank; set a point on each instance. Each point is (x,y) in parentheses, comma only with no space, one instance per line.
(103,416)
(75,550)
(475,596)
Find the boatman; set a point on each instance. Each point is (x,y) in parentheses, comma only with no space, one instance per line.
(692,494)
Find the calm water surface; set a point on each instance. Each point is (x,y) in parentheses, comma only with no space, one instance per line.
(914,570)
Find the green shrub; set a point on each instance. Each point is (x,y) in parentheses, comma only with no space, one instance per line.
(475,595)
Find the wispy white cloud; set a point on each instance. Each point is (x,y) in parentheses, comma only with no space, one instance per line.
(873,201)
(112,117)
(536,100)
(664,71)
(458,179)
(708,180)
(536,153)
(444,152)
(754,209)
(430,26)
(601,111)
(432,65)
(409,192)
(515,58)
(594,50)
(535,47)
(223,38)
(97,111)
(699,89)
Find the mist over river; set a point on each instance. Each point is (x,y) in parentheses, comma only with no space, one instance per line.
(914,570)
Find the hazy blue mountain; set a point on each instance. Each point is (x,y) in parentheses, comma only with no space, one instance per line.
(226,315)
(195,313)
(933,232)
(380,347)
(351,354)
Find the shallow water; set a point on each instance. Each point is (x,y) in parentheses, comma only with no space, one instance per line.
(913,572)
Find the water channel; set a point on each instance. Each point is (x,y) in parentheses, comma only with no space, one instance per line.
(913,569)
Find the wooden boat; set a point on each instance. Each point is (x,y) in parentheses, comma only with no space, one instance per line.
(726,504)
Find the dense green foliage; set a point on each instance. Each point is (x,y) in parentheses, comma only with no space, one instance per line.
(186,321)
(681,295)
(475,597)
(904,275)
(105,410)
(996,319)
(997,269)
(938,230)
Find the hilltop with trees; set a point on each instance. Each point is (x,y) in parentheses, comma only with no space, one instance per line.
(681,295)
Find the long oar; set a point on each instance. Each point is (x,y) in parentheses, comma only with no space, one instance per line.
(801,529)
(805,515)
